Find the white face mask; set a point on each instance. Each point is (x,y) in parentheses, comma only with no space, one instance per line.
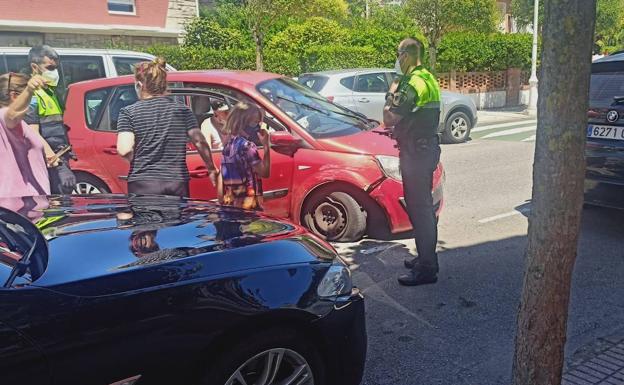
(397,67)
(137,88)
(52,77)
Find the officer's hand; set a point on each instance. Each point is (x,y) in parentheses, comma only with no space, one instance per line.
(394,86)
(67,177)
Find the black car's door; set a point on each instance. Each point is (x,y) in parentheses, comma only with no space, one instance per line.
(21,361)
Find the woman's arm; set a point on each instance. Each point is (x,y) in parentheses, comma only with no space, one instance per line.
(19,107)
(263,169)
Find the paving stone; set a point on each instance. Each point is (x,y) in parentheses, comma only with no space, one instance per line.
(613,381)
(587,370)
(600,368)
(606,364)
(614,354)
(576,380)
(585,376)
(614,361)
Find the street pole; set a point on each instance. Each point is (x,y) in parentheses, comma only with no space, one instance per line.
(532,108)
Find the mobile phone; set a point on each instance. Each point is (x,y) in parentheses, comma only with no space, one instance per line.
(58,154)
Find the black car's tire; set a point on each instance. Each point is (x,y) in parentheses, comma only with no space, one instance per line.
(89,184)
(336,216)
(457,128)
(234,359)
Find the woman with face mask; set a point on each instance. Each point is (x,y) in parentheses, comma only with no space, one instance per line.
(242,167)
(23,171)
(153,133)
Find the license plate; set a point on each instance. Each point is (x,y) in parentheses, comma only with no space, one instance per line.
(605,132)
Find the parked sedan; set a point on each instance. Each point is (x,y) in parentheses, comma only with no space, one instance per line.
(148,290)
(364,91)
(604,179)
(331,170)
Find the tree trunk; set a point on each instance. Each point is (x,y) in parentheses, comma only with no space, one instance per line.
(259,40)
(558,177)
(433,56)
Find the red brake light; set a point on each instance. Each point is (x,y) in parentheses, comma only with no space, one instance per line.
(330,98)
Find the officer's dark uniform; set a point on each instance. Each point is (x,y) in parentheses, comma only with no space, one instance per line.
(417,101)
(46,111)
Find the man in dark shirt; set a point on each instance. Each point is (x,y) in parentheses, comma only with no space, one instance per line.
(412,111)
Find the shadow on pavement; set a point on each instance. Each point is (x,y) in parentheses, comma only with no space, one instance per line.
(461,330)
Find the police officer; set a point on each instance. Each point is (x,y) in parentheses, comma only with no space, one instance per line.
(45,115)
(412,112)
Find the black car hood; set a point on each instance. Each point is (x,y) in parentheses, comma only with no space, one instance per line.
(106,236)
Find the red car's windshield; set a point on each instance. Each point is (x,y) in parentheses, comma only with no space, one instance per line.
(314,113)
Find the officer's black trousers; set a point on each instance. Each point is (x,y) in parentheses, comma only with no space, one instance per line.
(419,158)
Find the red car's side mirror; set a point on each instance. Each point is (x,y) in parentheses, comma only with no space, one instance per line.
(285,142)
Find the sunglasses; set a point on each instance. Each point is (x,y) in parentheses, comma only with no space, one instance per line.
(400,52)
(9,90)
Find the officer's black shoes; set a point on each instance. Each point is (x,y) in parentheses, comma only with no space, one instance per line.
(410,263)
(418,277)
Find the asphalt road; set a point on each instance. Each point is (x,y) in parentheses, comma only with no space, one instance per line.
(461,330)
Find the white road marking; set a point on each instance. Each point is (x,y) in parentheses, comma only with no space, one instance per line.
(512,131)
(494,126)
(529,139)
(505,215)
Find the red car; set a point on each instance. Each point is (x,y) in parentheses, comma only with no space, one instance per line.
(332,169)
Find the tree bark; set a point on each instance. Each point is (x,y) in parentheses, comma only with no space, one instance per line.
(433,56)
(258,39)
(558,177)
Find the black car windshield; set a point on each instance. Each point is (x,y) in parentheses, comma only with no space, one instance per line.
(315,114)
(604,86)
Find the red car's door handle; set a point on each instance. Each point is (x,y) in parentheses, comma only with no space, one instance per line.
(199,173)
(110,150)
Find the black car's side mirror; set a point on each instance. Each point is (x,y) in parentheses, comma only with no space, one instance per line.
(23,240)
(285,143)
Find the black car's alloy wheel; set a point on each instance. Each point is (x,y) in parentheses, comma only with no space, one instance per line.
(273,367)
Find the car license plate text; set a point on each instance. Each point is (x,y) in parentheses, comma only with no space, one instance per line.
(606,132)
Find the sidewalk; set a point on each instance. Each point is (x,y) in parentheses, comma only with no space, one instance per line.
(502,115)
(603,364)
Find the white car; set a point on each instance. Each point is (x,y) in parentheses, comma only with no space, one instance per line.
(77,64)
(364,91)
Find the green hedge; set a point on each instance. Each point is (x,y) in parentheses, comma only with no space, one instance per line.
(468,52)
(314,59)
(339,57)
(371,48)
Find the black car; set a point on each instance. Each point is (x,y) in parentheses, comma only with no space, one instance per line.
(155,290)
(604,180)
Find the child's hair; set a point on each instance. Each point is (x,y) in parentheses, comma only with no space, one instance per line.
(152,75)
(11,82)
(242,116)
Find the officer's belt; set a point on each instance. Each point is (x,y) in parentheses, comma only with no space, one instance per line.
(428,106)
(50,119)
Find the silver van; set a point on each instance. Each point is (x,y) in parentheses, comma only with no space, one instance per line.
(77,64)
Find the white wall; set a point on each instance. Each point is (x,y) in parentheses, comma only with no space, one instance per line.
(486,100)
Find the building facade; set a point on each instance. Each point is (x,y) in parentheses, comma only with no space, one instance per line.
(94,23)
